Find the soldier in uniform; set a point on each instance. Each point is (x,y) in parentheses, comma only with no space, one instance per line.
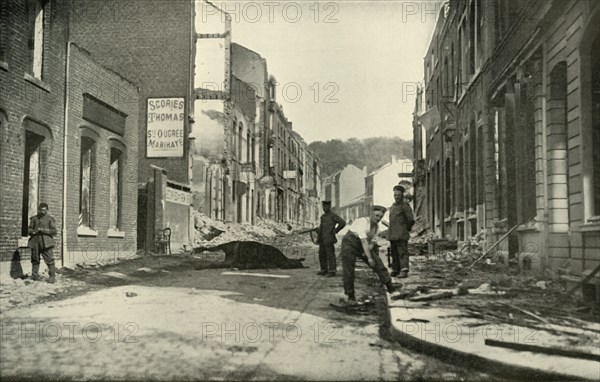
(401,221)
(42,229)
(330,225)
(358,243)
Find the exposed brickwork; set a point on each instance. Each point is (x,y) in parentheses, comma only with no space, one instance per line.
(148,42)
(87,77)
(22,99)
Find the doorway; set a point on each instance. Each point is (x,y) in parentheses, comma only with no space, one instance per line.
(31,178)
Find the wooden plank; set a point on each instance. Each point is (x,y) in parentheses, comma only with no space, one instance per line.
(543,349)
(432,296)
(586,279)
(540,319)
(492,247)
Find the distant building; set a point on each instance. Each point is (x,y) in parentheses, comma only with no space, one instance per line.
(279,155)
(343,187)
(216,146)
(244,155)
(251,68)
(380,182)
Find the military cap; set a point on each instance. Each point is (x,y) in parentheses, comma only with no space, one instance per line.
(399,188)
(326,202)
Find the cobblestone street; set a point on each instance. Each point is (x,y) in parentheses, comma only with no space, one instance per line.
(184,324)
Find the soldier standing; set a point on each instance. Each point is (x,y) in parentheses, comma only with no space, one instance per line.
(42,229)
(401,221)
(330,225)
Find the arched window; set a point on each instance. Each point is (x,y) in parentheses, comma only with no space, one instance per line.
(87,175)
(248,148)
(117,166)
(448,187)
(38,138)
(234,144)
(472,166)
(36,10)
(446,77)
(452,76)
(240,143)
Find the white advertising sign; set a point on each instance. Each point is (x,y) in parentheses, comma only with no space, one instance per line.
(178,196)
(165,127)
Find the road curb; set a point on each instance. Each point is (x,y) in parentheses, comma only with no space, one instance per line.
(471,360)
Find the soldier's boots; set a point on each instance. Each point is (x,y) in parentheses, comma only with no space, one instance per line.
(35,268)
(52,272)
(390,287)
(350,301)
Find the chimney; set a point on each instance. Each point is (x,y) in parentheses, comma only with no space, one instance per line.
(365,169)
(393,159)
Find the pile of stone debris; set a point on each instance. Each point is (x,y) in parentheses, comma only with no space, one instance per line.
(24,291)
(211,233)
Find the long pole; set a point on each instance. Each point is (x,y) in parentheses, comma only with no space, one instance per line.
(493,246)
(65,145)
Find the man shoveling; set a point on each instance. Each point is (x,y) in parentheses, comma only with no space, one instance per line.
(358,243)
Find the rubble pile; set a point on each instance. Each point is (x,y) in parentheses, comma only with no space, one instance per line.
(206,228)
(211,233)
(473,246)
(24,291)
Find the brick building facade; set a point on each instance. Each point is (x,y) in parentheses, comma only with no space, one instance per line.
(150,42)
(512,128)
(251,68)
(244,152)
(59,109)
(277,197)
(102,162)
(33,42)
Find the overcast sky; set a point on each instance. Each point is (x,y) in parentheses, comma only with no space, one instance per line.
(345,68)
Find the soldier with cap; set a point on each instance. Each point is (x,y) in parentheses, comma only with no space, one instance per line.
(42,229)
(330,225)
(400,223)
(358,243)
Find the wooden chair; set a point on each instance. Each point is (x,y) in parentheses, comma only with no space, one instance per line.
(162,241)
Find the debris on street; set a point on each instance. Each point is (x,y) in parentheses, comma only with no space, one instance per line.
(255,275)
(432,296)
(489,292)
(24,292)
(211,233)
(251,255)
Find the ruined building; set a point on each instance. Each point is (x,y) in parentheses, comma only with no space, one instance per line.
(510,129)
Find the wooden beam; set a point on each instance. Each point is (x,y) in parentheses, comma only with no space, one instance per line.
(492,247)
(543,349)
(586,279)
